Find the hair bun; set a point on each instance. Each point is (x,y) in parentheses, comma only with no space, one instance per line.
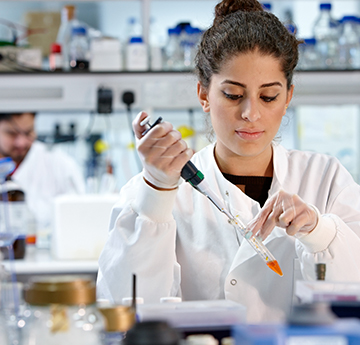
(226,7)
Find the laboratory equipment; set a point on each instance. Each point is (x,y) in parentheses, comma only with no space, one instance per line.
(152,333)
(17,214)
(68,22)
(309,57)
(77,217)
(349,44)
(79,50)
(6,236)
(55,58)
(214,317)
(195,177)
(136,55)
(341,332)
(62,311)
(118,320)
(326,33)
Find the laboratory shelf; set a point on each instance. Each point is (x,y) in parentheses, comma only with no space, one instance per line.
(58,92)
(41,262)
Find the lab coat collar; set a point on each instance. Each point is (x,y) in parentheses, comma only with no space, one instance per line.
(234,198)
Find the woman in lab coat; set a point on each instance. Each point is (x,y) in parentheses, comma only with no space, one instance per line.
(305,206)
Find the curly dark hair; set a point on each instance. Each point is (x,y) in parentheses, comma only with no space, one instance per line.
(242,26)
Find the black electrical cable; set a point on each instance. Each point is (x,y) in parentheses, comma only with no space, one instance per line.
(128,98)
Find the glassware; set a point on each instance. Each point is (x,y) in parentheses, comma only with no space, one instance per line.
(349,43)
(7,237)
(62,311)
(79,49)
(118,320)
(326,33)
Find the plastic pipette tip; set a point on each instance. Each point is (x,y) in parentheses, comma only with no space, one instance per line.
(275,267)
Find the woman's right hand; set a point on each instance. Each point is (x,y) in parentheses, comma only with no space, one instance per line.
(162,152)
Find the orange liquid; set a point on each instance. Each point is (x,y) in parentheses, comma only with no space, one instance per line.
(30,239)
(275,267)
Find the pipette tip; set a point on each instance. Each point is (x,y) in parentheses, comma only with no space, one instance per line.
(275,267)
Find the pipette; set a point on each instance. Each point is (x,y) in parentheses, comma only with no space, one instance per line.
(196,179)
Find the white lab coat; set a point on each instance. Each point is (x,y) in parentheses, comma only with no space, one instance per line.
(179,244)
(44,174)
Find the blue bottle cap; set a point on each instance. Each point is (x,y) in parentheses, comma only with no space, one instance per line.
(136,40)
(79,30)
(349,19)
(266,6)
(325,6)
(310,41)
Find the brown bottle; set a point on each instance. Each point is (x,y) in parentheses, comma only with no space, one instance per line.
(320,271)
(17,216)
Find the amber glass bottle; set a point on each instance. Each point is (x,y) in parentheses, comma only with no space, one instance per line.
(17,216)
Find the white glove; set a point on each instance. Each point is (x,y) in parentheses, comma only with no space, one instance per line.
(287,211)
(162,152)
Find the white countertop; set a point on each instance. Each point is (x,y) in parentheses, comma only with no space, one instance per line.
(40,261)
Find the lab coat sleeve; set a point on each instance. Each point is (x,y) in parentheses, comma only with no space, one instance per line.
(141,241)
(335,241)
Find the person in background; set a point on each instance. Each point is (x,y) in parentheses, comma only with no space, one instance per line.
(42,173)
(305,206)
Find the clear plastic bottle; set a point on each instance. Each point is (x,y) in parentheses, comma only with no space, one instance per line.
(68,22)
(189,46)
(79,49)
(156,45)
(326,33)
(133,29)
(309,58)
(172,50)
(136,52)
(349,43)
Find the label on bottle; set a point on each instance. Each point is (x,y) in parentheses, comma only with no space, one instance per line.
(137,57)
(13,217)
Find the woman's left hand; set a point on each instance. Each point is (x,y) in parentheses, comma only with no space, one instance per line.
(287,211)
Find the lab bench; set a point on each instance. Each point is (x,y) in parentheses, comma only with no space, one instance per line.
(40,262)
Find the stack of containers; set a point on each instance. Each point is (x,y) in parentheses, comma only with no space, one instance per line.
(181,47)
(335,44)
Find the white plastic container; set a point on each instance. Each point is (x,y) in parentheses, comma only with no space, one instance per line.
(106,55)
(79,217)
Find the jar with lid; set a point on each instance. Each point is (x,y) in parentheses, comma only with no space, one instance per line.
(118,320)
(61,311)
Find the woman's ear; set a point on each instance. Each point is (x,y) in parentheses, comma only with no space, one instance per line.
(203,97)
(289,97)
